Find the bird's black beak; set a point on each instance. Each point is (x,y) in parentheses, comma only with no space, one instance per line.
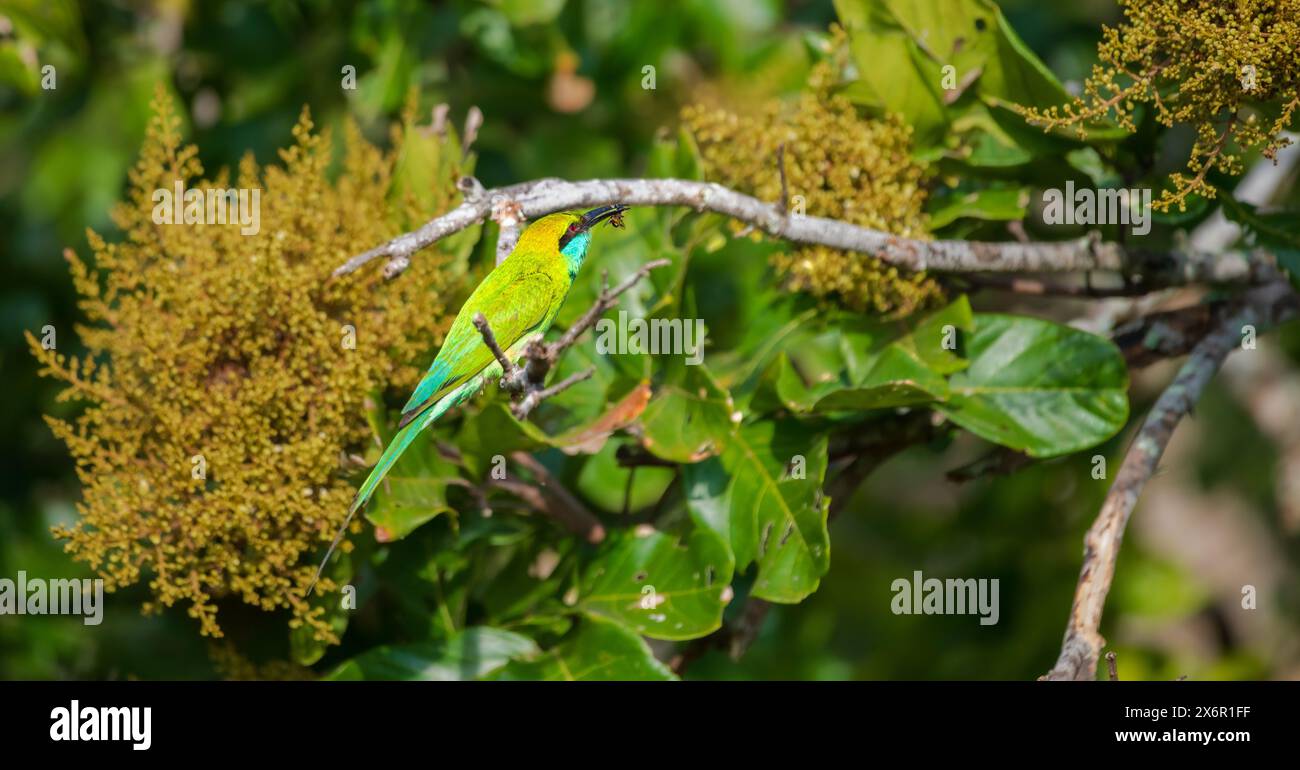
(596,216)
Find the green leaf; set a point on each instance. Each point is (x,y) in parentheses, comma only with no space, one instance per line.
(995,205)
(495,431)
(901,48)
(1289,259)
(690,421)
(1280,232)
(936,341)
(1039,387)
(610,487)
(1282,229)
(598,650)
(895,379)
(705,485)
(421,168)
(777,511)
(909,84)
(658,585)
(470,654)
(1014,72)
(679,158)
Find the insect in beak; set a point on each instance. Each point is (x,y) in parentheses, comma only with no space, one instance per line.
(612,213)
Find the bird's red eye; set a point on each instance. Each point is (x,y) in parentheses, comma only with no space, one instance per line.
(573,228)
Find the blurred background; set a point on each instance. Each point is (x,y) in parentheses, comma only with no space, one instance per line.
(559,83)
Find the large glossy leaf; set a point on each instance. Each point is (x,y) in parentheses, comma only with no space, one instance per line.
(991,204)
(1039,387)
(870,365)
(902,47)
(895,380)
(597,650)
(776,508)
(688,421)
(614,488)
(658,585)
(470,654)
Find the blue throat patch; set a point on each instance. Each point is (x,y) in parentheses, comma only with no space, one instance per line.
(575,251)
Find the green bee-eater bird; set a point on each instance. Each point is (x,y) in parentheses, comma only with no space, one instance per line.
(519,299)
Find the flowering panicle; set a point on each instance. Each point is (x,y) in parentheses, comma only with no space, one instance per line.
(222,396)
(1228,68)
(837,164)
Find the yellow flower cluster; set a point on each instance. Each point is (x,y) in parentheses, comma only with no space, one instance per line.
(837,164)
(223,395)
(1228,68)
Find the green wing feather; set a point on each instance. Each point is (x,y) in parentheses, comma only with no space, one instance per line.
(517,298)
(515,303)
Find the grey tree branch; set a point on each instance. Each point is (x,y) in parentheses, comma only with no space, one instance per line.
(530,200)
(509,218)
(1083,642)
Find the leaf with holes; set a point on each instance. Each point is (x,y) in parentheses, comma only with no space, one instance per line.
(658,585)
(598,650)
(777,511)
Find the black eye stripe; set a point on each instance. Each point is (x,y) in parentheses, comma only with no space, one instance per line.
(569,233)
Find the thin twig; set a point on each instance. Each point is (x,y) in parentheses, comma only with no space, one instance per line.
(1083,642)
(567,509)
(507,366)
(533,398)
(607,299)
